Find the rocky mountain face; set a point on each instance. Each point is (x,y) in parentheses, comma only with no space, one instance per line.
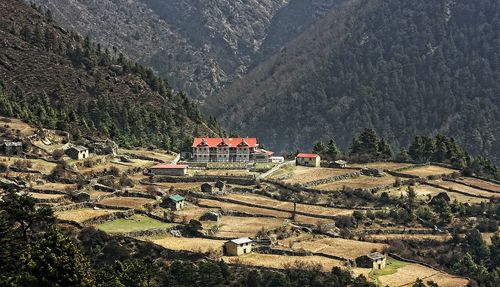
(403,68)
(199,46)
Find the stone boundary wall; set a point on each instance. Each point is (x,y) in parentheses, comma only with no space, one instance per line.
(46,191)
(104,188)
(402,175)
(73,206)
(486,179)
(470,185)
(332,179)
(248,180)
(53,200)
(415,165)
(397,231)
(142,157)
(457,191)
(287,252)
(148,232)
(108,217)
(275,168)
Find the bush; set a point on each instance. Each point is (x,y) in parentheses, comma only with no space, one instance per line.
(126,181)
(425,212)
(114,171)
(57,154)
(344,221)
(3,167)
(60,169)
(23,164)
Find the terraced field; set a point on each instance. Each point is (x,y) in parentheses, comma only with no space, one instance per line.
(134,223)
(235,227)
(480,183)
(425,192)
(302,174)
(261,211)
(283,261)
(130,202)
(362,182)
(187,244)
(159,155)
(345,248)
(45,196)
(83,214)
(382,165)
(465,189)
(428,170)
(285,205)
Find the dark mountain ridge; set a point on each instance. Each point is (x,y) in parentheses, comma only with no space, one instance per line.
(402,67)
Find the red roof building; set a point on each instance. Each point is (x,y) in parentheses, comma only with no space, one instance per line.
(224,149)
(308,159)
(305,155)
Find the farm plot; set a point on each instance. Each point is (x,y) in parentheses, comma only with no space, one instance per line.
(398,273)
(198,245)
(135,223)
(16,126)
(235,227)
(45,196)
(345,248)
(261,211)
(302,174)
(428,170)
(465,189)
(159,155)
(83,214)
(480,183)
(56,186)
(425,192)
(382,165)
(42,166)
(190,212)
(130,202)
(362,182)
(286,205)
(283,261)
(383,237)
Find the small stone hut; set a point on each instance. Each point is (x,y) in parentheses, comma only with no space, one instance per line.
(375,260)
(237,247)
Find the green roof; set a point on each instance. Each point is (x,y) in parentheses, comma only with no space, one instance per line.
(176,198)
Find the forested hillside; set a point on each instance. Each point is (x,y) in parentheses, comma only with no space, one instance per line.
(200,46)
(401,67)
(56,79)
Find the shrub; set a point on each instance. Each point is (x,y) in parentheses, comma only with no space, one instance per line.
(22,164)
(3,167)
(114,171)
(344,221)
(57,154)
(126,181)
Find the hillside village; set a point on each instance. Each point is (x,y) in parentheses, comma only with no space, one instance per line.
(228,199)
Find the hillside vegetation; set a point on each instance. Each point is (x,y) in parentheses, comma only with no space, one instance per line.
(56,79)
(200,46)
(401,67)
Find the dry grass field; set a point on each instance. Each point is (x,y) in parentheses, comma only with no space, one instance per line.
(235,227)
(44,167)
(424,192)
(80,215)
(16,126)
(428,170)
(382,165)
(134,223)
(45,196)
(163,156)
(282,261)
(363,182)
(262,211)
(407,275)
(480,183)
(333,246)
(269,202)
(95,193)
(382,237)
(465,189)
(302,174)
(200,245)
(130,202)
(190,212)
(56,186)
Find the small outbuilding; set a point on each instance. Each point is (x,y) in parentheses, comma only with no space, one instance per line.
(375,260)
(339,164)
(372,172)
(13,148)
(262,155)
(308,159)
(169,169)
(210,216)
(77,152)
(176,202)
(277,159)
(237,247)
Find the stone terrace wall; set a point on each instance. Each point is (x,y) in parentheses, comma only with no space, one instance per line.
(332,179)
(241,180)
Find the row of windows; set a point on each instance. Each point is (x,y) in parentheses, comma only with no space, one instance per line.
(223,149)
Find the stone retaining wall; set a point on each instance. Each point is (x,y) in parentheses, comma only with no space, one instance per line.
(457,191)
(108,217)
(248,180)
(332,179)
(73,206)
(470,185)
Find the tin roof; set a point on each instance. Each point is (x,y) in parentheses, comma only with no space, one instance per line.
(242,240)
(224,142)
(176,198)
(302,155)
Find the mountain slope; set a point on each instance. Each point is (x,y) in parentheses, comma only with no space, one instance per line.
(200,46)
(402,67)
(56,79)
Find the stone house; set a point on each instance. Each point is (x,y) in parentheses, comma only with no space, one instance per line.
(375,260)
(169,169)
(77,152)
(175,202)
(308,159)
(13,148)
(237,247)
(339,164)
